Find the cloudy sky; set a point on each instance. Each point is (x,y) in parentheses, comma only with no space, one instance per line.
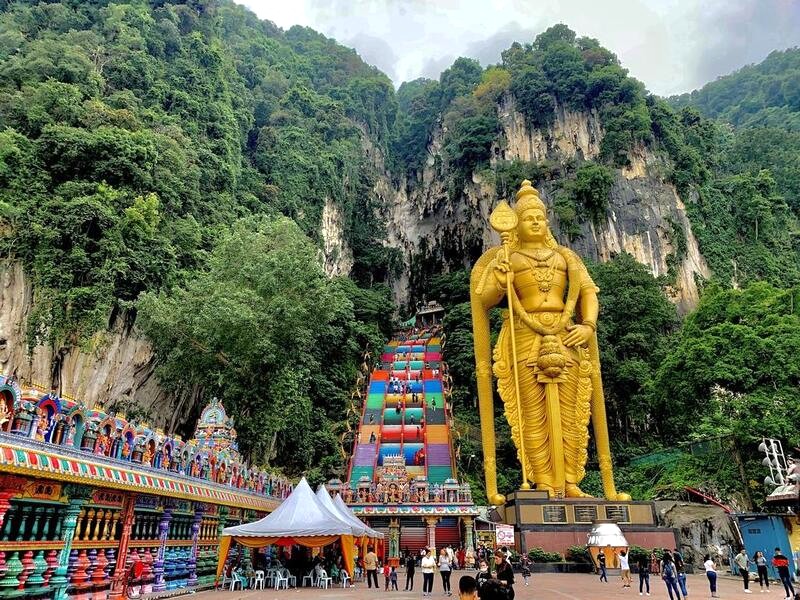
(672,46)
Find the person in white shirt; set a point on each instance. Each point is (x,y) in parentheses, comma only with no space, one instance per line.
(428,564)
(625,568)
(711,573)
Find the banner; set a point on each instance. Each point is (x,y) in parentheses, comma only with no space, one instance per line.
(504,535)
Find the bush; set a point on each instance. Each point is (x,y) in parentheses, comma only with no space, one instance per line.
(635,553)
(539,555)
(578,554)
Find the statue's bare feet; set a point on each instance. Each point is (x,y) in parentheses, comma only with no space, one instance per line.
(573,491)
(621,496)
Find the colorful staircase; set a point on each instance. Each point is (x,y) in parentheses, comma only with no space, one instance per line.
(393,424)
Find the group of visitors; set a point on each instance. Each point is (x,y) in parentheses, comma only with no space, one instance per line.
(743,563)
(672,568)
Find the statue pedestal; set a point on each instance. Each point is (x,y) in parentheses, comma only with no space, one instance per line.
(555,524)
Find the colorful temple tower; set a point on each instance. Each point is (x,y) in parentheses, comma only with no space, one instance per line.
(402,475)
(85,494)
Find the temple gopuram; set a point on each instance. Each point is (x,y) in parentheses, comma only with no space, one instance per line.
(84,495)
(402,475)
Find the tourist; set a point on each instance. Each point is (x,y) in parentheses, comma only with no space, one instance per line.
(493,589)
(644,573)
(655,567)
(445,566)
(393,578)
(372,438)
(504,573)
(371,567)
(526,568)
(743,563)
(467,588)
(460,557)
(601,565)
(624,568)
(781,563)
(680,567)
(761,565)
(484,574)
(428,564)
(670,576)
(711,573)
(411,566)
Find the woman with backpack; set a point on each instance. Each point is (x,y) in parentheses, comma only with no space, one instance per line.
(670,575)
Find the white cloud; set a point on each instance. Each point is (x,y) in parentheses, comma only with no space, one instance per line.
(671,45)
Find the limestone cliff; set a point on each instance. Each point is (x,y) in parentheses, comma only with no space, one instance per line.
(116,368)
(645,215)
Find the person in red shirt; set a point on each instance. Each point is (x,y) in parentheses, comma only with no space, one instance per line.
(781,563)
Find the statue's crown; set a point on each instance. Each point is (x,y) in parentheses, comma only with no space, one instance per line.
(528,198)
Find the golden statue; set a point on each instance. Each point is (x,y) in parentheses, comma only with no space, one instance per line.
(548,364)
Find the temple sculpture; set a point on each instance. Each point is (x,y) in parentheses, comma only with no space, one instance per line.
(546,359)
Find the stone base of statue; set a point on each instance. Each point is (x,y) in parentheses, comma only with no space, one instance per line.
(556,524)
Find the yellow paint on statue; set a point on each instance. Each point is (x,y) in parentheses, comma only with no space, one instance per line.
(546,359)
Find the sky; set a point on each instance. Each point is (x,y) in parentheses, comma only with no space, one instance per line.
(673,46)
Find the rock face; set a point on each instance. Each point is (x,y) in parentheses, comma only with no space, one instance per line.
(337,257)
(117,368)
(645,216)
(703,529)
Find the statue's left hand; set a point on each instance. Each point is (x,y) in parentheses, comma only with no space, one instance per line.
(579,335)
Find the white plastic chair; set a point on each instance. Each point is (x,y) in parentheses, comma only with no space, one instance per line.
(281,580)
(324,580)
(237,579)
(344,577)
(311,578)
(292,579)
(225,581)
(258,582)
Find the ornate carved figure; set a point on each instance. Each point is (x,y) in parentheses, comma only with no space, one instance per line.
(546,358)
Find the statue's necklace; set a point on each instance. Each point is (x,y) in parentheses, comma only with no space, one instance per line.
(544,271)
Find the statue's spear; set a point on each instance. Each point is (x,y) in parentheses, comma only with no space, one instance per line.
(504,220)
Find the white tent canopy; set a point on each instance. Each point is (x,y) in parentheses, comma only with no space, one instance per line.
(347,513)
(301,514)
(359,527)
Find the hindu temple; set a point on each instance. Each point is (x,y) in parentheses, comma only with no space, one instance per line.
(85,494)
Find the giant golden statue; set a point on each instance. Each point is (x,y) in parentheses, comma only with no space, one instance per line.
(546,358)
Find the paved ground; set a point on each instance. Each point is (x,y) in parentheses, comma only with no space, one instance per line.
(542,587)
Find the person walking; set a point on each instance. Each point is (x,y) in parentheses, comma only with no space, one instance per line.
(743,563)
(781,563)
(504,573)
(670,576)
(371,567)
(526,568)
(601,566)
(761,566)
(625,568)
(644,573)
(680,567)
(411,567)
(428,564)
(711,573)
(445,567)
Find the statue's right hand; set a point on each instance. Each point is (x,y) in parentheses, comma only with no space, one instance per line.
(503,273)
